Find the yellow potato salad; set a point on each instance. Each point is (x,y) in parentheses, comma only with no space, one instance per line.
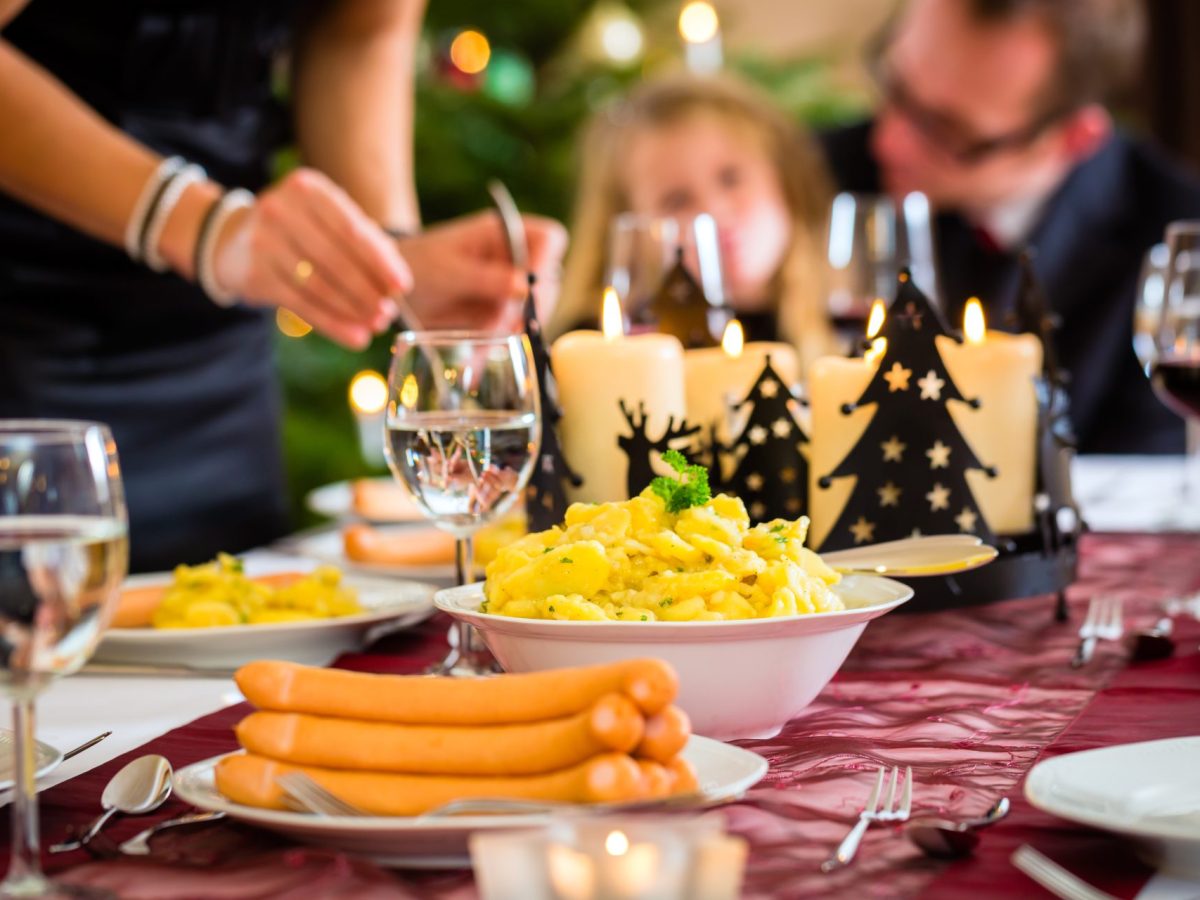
(219,593)
(636,562)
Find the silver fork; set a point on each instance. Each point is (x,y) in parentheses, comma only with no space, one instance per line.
(1054,877)
(1102,622)
(891,812)
(315,798)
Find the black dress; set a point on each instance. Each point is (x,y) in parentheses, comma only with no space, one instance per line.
(187,387)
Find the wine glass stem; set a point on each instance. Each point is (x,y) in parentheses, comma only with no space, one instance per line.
(464,560)
(25,867)
(1191,456)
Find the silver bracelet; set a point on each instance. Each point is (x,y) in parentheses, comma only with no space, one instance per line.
(167,199)
(150,192)
(206,243)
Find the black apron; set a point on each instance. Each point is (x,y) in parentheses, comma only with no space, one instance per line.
(187,387)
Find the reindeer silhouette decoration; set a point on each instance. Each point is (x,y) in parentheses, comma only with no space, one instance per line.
(638,444)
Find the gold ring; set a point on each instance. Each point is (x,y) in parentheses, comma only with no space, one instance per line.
(303,271)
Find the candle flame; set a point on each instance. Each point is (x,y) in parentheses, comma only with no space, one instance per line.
(698,22)
(734,339)
(974,325)
(611,322)
(617,844)
(878,348)
(875,322)
(368,392)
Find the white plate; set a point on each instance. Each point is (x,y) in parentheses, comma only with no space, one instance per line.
(46,758)
(327,546)
(724,772)
(337,502)
(1148,790)
(390,604)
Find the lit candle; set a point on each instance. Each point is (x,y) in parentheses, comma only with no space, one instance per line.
(717,377)
(834,382)
(368,397)
(701,32)
(596,372)
(1000,370)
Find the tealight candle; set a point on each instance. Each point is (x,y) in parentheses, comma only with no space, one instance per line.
(368,397)
(717,377)
(999,369)
(596,373)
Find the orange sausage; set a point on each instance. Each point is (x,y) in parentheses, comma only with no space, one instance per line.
(666,734)
(611,723)
(657,781)
(365,544)
(136,606)
(419,700)
(607,778)
(381,501)
(683,776)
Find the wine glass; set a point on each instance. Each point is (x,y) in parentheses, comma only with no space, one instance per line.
(643,250)
(871,238)
(1175,368)
(463,427)
(1148,304)
(64,551)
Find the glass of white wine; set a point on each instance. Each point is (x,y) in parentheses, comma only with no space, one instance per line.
(63,554)
(462,432)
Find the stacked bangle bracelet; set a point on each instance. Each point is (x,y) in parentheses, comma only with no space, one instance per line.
(206,244)
(161,210)
(146,202)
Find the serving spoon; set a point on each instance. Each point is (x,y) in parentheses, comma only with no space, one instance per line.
(943,554)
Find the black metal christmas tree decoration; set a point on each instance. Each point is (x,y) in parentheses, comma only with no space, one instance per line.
(771,471)
(910,464)
(638,445)
(680,308)
(546,495)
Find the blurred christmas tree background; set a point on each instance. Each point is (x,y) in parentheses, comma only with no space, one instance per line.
(503,90)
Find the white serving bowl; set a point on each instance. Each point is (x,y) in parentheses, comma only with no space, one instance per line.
(737,679)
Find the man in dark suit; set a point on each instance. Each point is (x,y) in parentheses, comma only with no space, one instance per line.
(994,110)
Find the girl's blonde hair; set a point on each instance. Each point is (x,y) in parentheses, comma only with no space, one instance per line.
(799,282)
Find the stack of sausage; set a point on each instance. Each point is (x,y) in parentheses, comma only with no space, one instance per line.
(398,745)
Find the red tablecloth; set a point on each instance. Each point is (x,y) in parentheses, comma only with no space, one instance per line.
(970,699)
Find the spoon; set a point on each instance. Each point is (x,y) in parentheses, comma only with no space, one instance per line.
(911,557)
(140,787)
(946,838)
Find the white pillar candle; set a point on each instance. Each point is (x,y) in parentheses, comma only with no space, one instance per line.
(999,369)
(595,373)
(368,397)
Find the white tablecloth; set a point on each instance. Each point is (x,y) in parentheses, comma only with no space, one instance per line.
(1137,493)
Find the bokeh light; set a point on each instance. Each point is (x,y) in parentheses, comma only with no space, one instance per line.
(698,22)
(470,52)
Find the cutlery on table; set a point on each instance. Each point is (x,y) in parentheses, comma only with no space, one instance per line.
(140,670)
(891,812)
(514,225)
(1103,622)
(914,557)
(140,787)
(86,745)
(949,839)
(139,844)
(1054,877)
(315,798)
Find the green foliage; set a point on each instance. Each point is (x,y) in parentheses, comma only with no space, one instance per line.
(689,489)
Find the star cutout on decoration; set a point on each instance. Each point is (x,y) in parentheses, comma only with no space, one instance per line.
(889,495)
(966,519)
(754,481)
(792,505)
(787,476)
(862,530)
(781,427)
(931,386)
(893,449)
(939,497)
(757,435)
(897,378)
(757,510)
(769,388)
(939,456)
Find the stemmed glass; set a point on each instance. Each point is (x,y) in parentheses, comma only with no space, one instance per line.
(463,426)
(64,551)
(1175,369)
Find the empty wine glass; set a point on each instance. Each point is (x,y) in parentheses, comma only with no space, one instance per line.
(463,427)
(1147,310)
(63,554)
(871,238)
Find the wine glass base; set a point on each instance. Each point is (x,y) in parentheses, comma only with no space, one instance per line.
(465,668)
(42,888)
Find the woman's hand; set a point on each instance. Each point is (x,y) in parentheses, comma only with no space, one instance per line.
(463,274)
(307,246)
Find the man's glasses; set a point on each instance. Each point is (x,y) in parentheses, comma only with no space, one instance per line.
(946,135)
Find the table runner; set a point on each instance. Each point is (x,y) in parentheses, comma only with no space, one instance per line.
(969,698)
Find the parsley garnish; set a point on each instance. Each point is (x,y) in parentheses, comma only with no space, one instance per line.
(777,529)
(552,609)
(690,489)
(781,540)
(667,602)
(483,606)
(566,559)
(546,549)
(645,618)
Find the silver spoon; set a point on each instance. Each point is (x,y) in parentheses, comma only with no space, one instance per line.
(139,844)
(140,787)
(912,557)
(946,838)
